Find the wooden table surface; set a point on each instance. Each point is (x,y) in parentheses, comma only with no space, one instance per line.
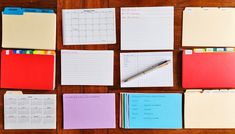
(61,4)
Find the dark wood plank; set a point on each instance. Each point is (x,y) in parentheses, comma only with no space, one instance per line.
(207,3)
(138,3)
(30,3)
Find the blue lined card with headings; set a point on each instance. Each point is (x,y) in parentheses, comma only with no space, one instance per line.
(152,110)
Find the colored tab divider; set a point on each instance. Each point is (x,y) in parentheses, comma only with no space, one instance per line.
(206,50)
(39,52)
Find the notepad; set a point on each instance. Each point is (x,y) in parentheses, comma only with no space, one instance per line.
(208,26)
(29,111)
(89,111)
(147,28)
(151,110)
(28,28)
(28,69)
(84,67)
(209,109)
(133,63)
(208,68)
(89,26)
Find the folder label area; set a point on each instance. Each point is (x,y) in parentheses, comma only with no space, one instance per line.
(188,52)
(7,52)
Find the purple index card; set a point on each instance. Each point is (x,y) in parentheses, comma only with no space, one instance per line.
(89,111)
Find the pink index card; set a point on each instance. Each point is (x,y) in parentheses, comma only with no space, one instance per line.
(89,111)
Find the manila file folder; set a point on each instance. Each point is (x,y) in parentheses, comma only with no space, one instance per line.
(211,26)
(209,109)
(28,28)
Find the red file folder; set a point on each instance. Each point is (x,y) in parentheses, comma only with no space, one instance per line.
(208,69)
(27,71)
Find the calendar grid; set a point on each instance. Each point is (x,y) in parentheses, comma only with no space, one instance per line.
(89,26)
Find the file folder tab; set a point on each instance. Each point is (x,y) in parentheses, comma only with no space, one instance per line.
(20,11)
(13,11)
(38,10)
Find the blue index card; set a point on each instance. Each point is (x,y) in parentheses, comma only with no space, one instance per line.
(163,111)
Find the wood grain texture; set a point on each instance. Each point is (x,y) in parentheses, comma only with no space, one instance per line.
(58,5)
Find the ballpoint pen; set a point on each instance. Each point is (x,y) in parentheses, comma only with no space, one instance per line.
(156,66)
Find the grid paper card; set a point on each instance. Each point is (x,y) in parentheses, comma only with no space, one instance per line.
(89,26)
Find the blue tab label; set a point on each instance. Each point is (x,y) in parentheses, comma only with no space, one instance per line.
(38,10)
(20,11)
(13,11)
